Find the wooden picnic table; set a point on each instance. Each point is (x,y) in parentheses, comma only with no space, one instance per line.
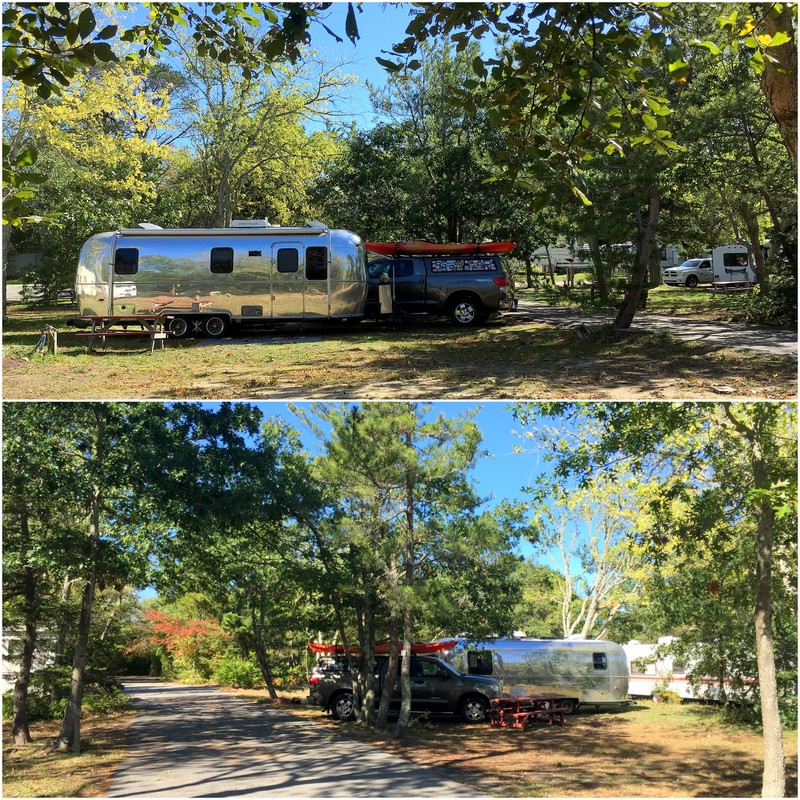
(520,712)
(104,326)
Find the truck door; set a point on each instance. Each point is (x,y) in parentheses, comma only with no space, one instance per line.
(408,283)
(286,280)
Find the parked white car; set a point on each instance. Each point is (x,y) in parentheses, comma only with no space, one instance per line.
(691,273)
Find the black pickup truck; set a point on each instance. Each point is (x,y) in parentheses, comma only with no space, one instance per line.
(436,686)
(467,288)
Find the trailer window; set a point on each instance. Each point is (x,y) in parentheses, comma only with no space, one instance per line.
(479,662)
(221,260)
(288,259)
(599,661)
(126,261)
(317,264)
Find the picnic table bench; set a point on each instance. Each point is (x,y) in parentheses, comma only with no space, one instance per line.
(105,326)
(520,712)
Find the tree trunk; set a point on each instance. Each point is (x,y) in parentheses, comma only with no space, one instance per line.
(600,277)
(779,81)
(637,290)
(367,713)
(70,736)
(528,273)
(20,730)
(774,777)
(754,238)
(261,652)
(390,681)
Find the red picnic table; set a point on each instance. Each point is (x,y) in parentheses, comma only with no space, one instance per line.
(519,712)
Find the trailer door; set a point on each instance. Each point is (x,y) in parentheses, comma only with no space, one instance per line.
(286,280)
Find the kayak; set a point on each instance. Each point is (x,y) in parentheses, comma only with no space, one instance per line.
(417,648)
(433,249)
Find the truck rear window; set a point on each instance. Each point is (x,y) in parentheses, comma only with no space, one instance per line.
(464,265)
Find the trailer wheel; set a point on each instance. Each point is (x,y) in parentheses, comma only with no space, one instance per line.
(567,705)
(466,311)
(343,707)
(179,327)
(215,327)
(692,281)
(474,709)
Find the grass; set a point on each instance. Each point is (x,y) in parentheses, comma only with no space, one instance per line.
(508,358)
(37,771)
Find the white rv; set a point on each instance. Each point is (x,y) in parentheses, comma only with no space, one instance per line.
(654,668)
(208,278)
(729,264)
(581,671)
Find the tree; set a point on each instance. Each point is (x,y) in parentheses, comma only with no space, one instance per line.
(587,533)
(411,530)
(247,134)
(720,469)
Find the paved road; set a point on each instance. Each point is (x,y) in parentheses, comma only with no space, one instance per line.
(194,741)
(757,338)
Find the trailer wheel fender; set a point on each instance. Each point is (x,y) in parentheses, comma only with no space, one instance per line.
(215,326)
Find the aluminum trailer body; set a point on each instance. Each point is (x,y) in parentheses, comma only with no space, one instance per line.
(582,671)
(207,278)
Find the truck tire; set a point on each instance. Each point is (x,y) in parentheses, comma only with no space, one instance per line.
(179,326)
(215,326)
(343,707)
(692,281)
(466,310)
(474,708)
(568,705)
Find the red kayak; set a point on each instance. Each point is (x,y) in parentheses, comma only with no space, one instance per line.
(434,249)
(417,648)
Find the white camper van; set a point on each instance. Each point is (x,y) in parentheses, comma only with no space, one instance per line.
(208,278)
(729,264)
(582,671)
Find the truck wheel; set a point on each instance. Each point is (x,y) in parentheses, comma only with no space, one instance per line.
(343,707)
(215,327)
(474,709)
(567,705)
(466,311)
(179,327)
(692,281)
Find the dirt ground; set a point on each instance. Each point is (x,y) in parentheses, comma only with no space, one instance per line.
(507,359)
(648,750)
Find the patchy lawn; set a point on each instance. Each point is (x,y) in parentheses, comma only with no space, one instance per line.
(648,750)
(37,771)
(507,358)
(702,302)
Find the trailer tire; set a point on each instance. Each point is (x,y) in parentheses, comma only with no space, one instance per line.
(215,326)
(466,310)
(692,281)
(474,709)
(179,327)
(342,706)
(568,705)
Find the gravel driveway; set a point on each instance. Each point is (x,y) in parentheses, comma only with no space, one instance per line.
(194,741)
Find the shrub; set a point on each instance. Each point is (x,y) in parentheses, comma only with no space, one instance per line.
(238,672)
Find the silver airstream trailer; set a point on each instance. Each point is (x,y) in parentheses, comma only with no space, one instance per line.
(582,671)
(208,278)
